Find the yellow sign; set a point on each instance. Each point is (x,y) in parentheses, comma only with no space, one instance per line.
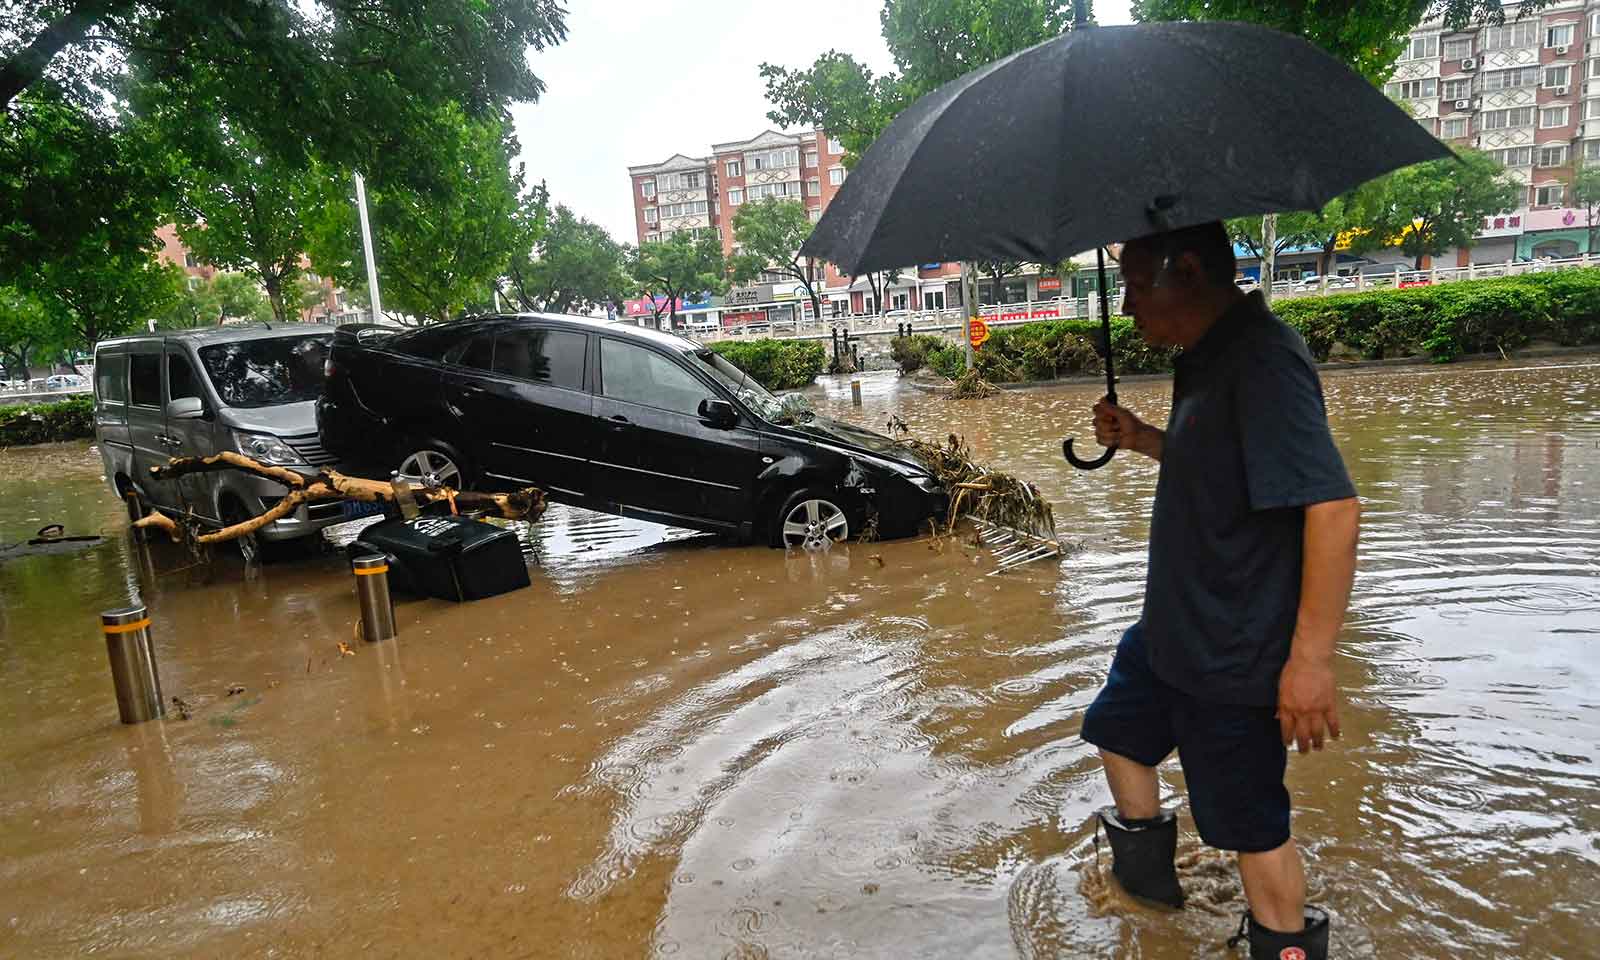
(977,332)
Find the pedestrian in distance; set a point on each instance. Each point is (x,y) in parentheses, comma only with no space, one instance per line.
(1252,553)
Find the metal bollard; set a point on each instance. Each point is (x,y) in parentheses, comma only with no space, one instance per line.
(133,664)
(855,392)
(372,589)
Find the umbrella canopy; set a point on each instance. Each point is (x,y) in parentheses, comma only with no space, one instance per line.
(1111,133)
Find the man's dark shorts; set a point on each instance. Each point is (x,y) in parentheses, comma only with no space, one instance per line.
(1233,756)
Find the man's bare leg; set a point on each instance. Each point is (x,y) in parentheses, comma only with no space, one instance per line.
(1275,886)
(1133,786)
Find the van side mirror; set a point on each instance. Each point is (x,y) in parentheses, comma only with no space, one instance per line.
(718,413)
(186,408)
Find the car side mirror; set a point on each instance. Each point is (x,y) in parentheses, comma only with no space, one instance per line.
(186,408)
(718,413)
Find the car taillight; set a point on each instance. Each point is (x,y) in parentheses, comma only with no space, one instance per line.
(328,369)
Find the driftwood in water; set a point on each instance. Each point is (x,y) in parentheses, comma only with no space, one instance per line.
(525,504)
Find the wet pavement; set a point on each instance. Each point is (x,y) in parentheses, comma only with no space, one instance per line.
(672,746)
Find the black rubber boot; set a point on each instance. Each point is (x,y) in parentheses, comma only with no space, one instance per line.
(1142,854)
(1308,944)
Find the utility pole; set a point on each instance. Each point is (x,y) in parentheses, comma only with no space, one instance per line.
(969,293)
(366,244)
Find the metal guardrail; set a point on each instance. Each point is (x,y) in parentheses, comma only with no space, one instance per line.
(1087,308)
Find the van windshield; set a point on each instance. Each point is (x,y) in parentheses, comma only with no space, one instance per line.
(264,373)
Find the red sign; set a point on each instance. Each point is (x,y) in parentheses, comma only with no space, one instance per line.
(748,316)
(977,332)
(1049,283)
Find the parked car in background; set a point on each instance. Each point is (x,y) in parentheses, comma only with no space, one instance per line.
(246,389)
(617,419)
(64,381)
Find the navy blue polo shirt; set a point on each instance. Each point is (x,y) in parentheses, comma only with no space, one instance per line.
(1247,450)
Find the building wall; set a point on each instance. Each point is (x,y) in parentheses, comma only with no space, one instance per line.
(174,251)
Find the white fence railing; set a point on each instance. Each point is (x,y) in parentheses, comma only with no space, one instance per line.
(1009,314)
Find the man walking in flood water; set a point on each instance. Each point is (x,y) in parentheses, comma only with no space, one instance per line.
(1252,553)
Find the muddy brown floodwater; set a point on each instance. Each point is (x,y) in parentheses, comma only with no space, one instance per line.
(671,746)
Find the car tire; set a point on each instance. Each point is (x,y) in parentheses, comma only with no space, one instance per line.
(422,460)
(811,518)
(251,548)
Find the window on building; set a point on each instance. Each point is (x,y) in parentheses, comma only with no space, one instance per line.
(1423,48)
(1412,89)
(1513,156)
(1503,119)
(735,168)
(647,189)
(1553,156)
(834,147)
(780,191)
(836,175)
(773,159)
(811,158)
(1594,69)
(193,283)
(1459,48)
(815,214)
(634,374)
(1591,150)
(1594,24)
(1456,89)
(1454,128)
(1507,79)
(652,237)
(735,197)
(933,299)
(899,301)
(1557,76)
(1549,195)
(813,188)
(1552,117)
(650,215)
(145,380)
(1429,124)
(1519,34)
(1591,110)
(1559,35)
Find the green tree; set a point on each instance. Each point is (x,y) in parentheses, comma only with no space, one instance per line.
(25,330)
(1428,208)
(239,297)
(574,266)
(932,42)
(1586,194)
(996,271)
(769,234)
(197,305)
(679,266)
(437,250)
(99,296)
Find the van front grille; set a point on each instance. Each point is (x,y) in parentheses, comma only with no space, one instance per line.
(309,447)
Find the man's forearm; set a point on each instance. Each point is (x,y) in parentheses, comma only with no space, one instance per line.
(1328,568)
(1148,441)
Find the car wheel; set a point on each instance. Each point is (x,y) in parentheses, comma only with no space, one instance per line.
(435,465)
(250,545)
(811,519)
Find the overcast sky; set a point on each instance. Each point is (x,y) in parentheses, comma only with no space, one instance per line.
(636,82)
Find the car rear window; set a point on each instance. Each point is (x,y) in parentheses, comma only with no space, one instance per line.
(551,357)
(429,344)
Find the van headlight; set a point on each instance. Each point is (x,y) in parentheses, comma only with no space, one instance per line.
(267,449)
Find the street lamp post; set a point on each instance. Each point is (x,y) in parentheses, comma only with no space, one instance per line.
(366,245)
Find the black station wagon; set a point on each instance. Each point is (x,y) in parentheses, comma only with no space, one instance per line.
(617,419)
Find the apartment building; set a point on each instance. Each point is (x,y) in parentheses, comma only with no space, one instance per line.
(1527,92)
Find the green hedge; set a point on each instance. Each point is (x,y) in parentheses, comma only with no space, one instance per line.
(776,364)
(1440,322)
(23,424)
(911,353)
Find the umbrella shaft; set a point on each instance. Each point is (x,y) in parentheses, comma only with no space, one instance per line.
(1105,325)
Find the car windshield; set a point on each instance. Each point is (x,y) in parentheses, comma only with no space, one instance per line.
(791,408)
(264,373)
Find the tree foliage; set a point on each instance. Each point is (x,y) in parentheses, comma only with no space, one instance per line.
(96,296)
(679,266)
(208,302)
(769,234)
(574,266)
(932,42)
(437,250)
(26,330)
(1428,208)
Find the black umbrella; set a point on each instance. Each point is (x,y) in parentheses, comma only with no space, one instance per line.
(1108,134)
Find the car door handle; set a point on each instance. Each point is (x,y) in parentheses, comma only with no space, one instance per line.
(619,420)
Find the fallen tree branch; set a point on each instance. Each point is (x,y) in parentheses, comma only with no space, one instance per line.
(525,504)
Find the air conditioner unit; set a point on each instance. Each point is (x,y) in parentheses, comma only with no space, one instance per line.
(1469,64)
(1561,91)
(1561,51)
(1463,104)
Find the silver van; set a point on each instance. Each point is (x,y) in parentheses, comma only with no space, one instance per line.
(182,393)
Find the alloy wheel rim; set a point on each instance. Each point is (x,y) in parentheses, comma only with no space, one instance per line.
(431,469)
(815,525)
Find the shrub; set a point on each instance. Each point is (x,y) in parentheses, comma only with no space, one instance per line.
(911,353)
(23,424)
(776,364)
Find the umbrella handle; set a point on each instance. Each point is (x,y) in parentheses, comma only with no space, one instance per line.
(1081,464)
